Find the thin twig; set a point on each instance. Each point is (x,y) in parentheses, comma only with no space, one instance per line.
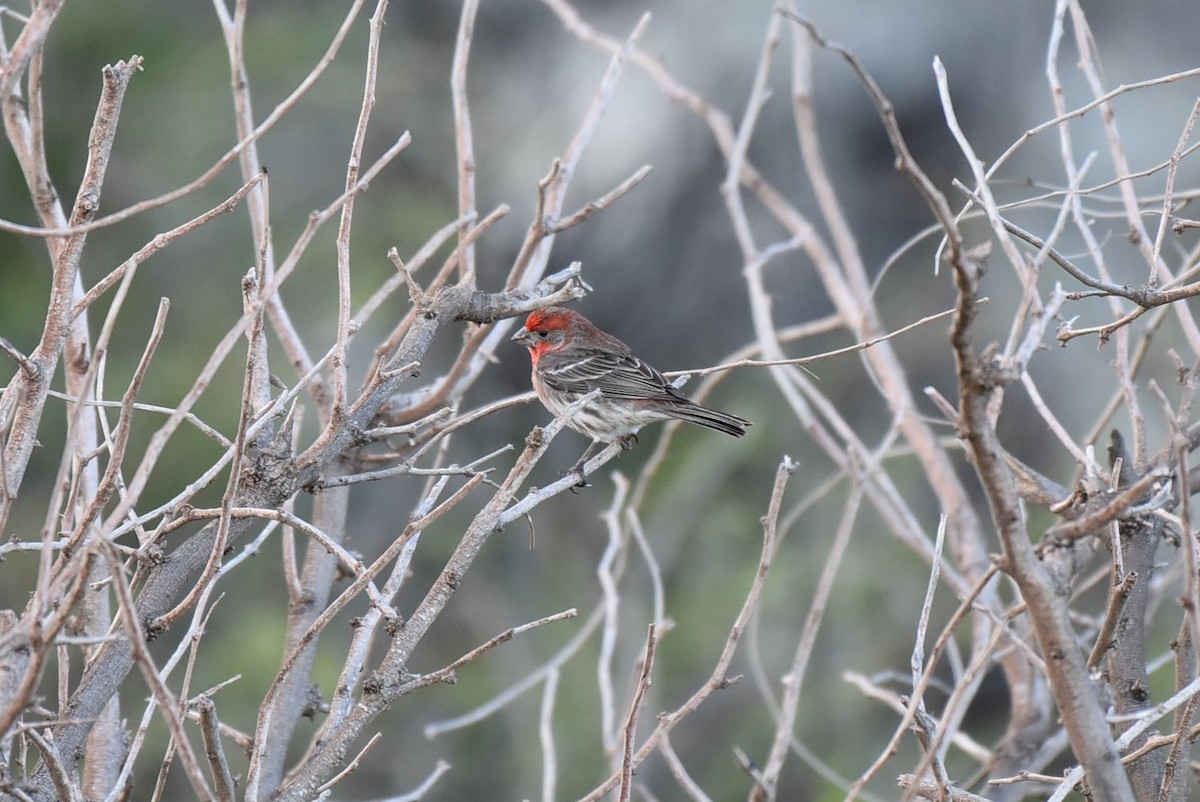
(808,360)
(352,765)
(27,365)
(1112,509)
(447,673)
(546,736)
(1118,595)
(792,682)
(635,706)
(340,355)
(608,567)
(530,680)
(210,730)
(679,772)
(463,137)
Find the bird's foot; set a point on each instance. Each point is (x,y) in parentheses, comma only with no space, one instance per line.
(577,471)
(627,441)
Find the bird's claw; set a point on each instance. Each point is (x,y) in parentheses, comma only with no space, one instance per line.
(582,481)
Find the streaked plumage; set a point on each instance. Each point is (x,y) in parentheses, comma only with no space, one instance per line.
(571,358)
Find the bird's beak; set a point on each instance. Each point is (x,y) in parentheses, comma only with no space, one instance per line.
(523,337)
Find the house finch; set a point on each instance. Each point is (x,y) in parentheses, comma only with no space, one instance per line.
(571,358)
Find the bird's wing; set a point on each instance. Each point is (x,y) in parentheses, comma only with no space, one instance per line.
(615,375)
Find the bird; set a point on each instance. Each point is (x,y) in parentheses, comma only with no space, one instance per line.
(571,357)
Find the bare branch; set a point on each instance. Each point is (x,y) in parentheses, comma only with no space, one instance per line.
(211,731)
(630,729)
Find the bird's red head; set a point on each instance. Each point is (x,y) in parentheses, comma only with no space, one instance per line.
(546,330)
(552,318)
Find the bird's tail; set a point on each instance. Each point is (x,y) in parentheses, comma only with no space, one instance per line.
(712,418)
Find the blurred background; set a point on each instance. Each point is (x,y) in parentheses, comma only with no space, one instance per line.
(668,280)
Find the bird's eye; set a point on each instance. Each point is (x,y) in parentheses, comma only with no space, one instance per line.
(543,333)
